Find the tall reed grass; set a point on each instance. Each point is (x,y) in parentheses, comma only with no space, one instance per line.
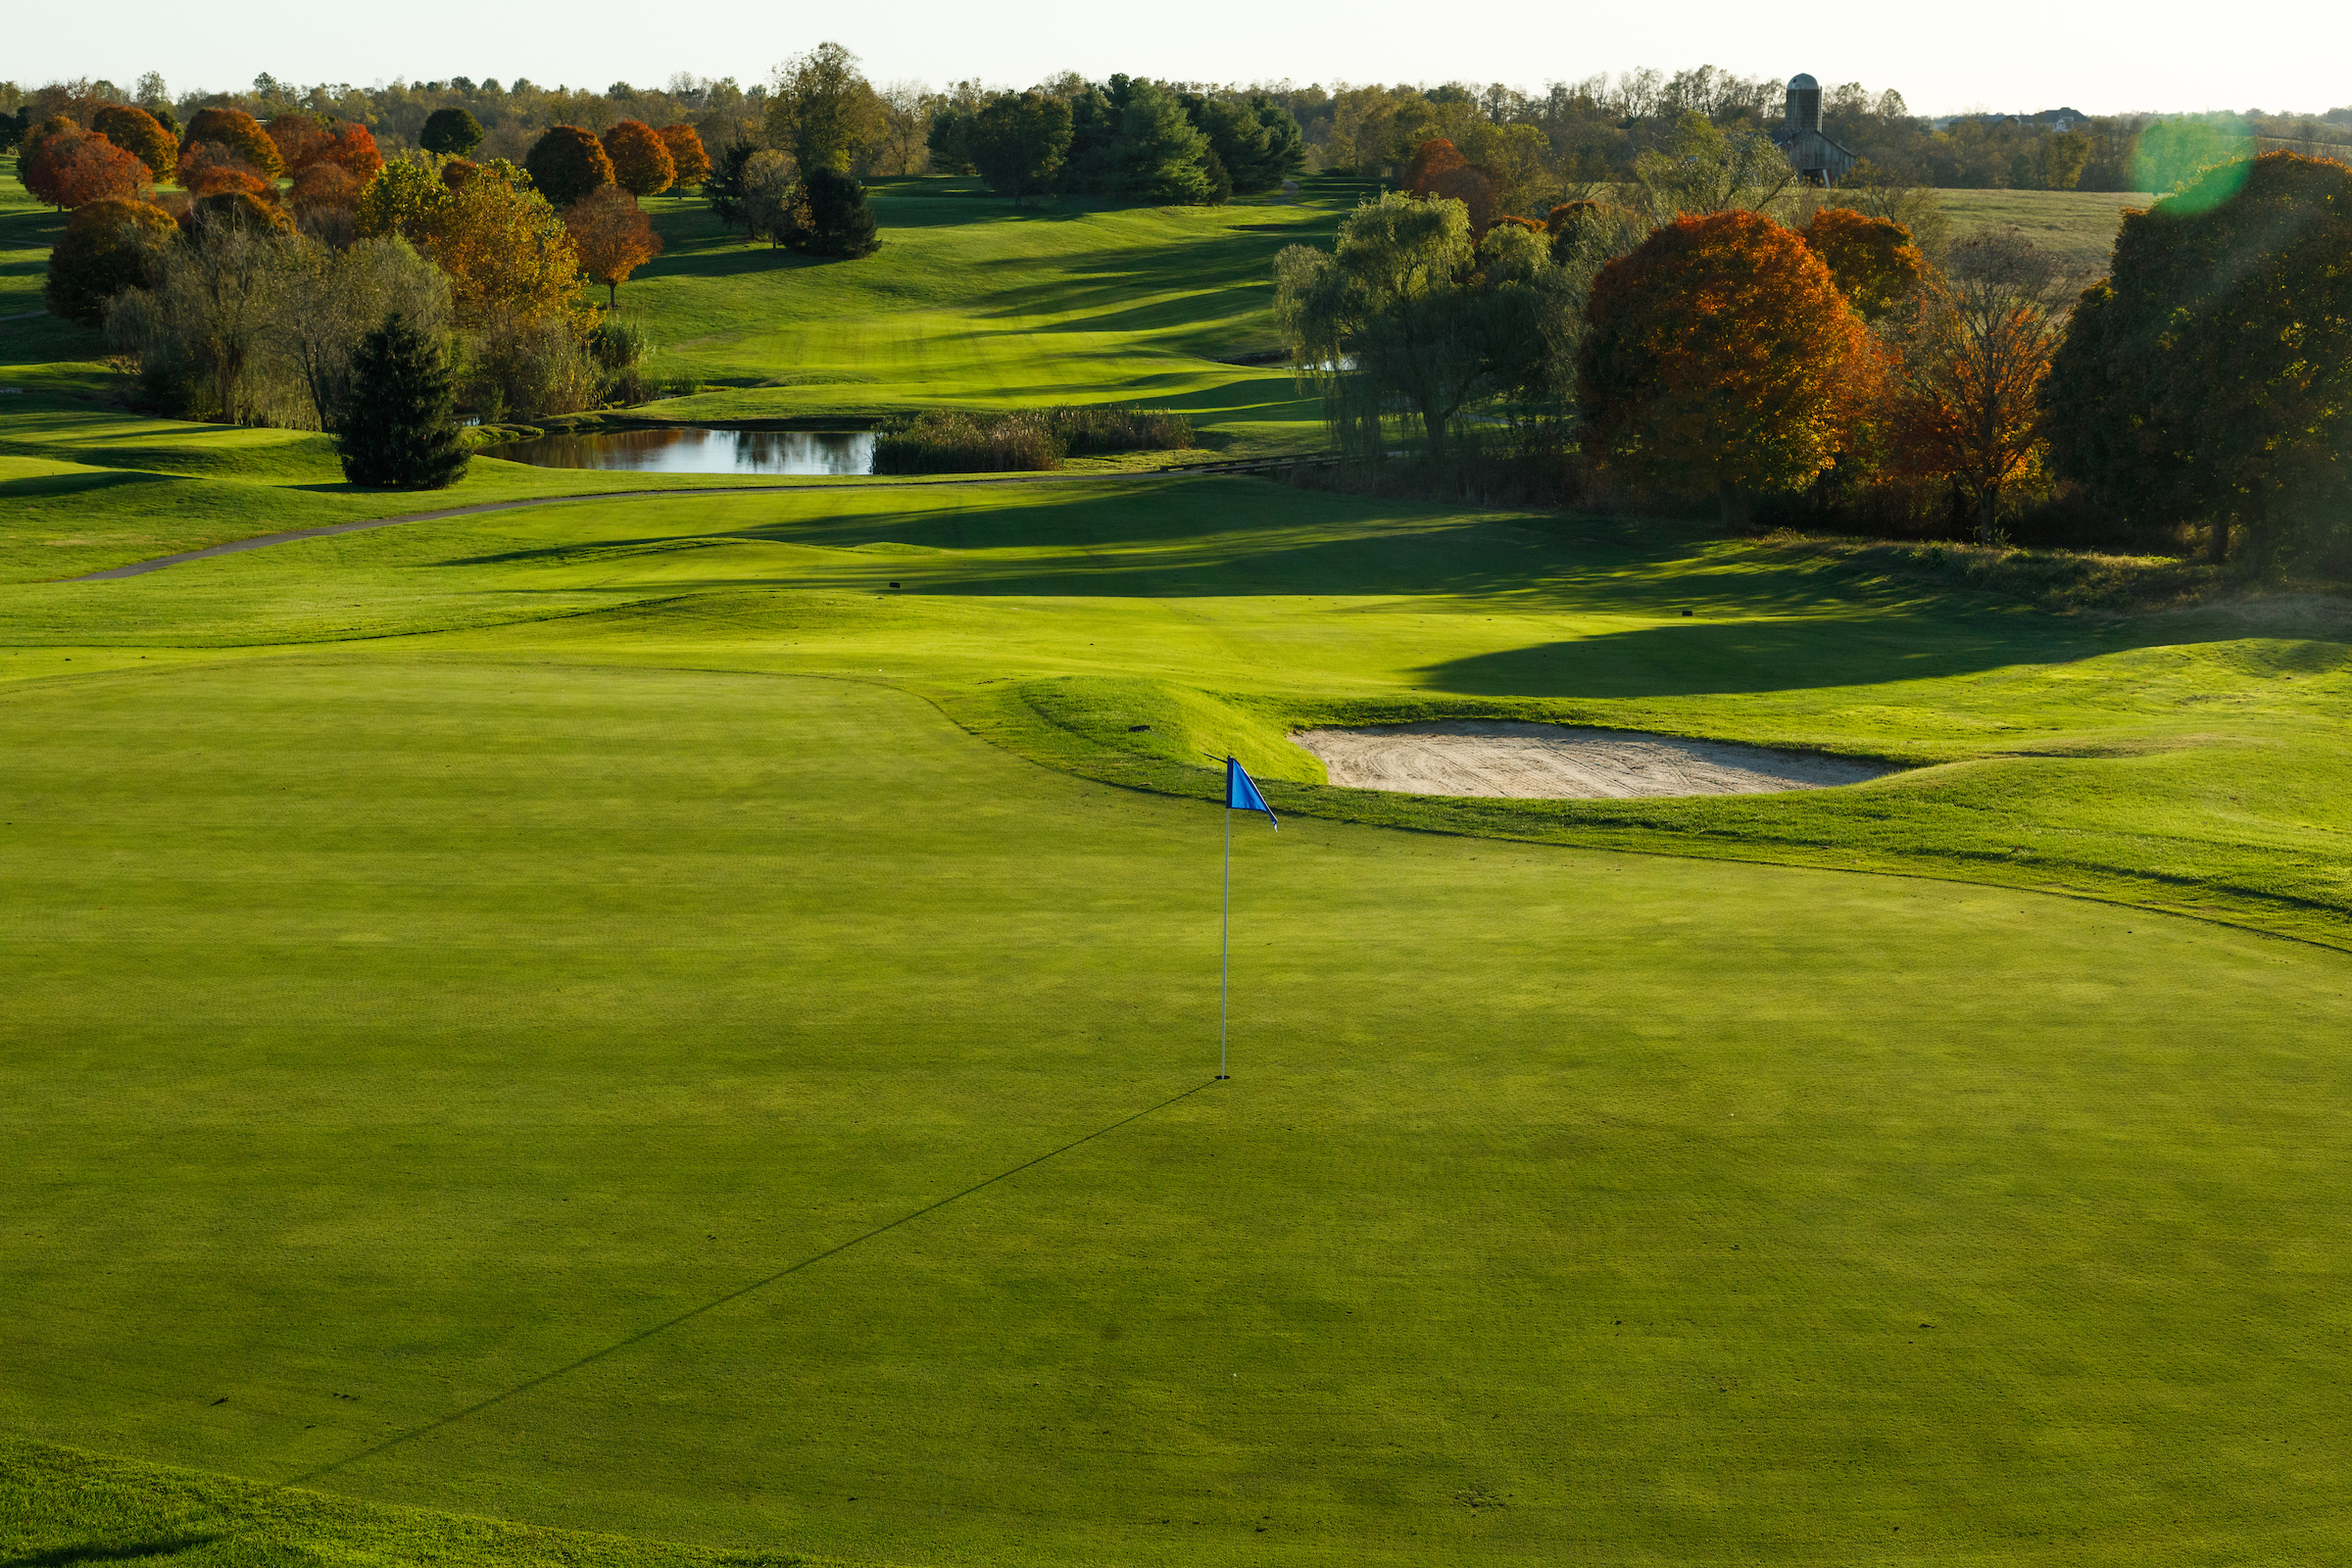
(1029,440)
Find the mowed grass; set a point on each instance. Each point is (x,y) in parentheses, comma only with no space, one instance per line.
(973,302)
(399,1027)
(692,1018)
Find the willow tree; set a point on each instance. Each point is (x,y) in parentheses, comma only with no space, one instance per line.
(1406,315)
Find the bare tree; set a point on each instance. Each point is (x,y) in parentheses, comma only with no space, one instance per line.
(903,146)
(1977,346)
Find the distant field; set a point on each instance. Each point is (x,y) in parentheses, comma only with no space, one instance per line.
(2077,225)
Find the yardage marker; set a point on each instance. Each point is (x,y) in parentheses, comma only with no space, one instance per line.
(737,1295)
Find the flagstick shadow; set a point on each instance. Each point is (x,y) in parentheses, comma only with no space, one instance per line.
(399,1440)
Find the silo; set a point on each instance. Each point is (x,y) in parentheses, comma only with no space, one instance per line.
(1804,103)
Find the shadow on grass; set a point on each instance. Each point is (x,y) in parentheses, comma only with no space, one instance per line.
(108,1552)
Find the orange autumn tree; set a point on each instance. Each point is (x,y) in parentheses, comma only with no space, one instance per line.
(1720,357)
(641,160)
(96,170)
(139,134)
(1872,259)
(237,132)
(348,146)
(208,168)
(686,154)
(612,236)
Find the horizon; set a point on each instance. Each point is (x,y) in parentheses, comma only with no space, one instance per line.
(2080,63)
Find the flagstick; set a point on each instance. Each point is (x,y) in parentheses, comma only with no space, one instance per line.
(1225,980)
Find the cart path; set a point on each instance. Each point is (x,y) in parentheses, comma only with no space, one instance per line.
(140,567)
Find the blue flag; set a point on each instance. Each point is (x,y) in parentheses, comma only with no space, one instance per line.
(1241,793)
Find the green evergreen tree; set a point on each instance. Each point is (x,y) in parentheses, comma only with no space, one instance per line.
(723,189)
(1162,156)
(400,432)
(831,218)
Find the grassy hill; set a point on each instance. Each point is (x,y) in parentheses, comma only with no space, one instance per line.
(973,302)
(690,1019)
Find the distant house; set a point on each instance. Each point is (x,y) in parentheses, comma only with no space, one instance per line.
(1817,160)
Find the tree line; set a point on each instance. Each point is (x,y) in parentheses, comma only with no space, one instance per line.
(1719,334)
(1545,147)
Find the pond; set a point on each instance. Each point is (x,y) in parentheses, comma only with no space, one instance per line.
(692,450)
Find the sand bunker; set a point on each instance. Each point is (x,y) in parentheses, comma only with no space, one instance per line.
(1553,762)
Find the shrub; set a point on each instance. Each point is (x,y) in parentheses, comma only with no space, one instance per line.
(966,443)
(108,247)
(401,432)
(451,132)
(641,160)
(139,134)
(238,209)
(532,365)
(619,348)
(566,162)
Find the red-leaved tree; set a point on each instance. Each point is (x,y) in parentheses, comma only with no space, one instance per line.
(210,168)
(1720,357)
(612,236)
(1431,158)
(96,170)
(50,143)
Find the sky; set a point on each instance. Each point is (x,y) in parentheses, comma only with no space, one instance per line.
(2009,55)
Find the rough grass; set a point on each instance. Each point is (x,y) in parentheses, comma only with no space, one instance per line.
(2078,226)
